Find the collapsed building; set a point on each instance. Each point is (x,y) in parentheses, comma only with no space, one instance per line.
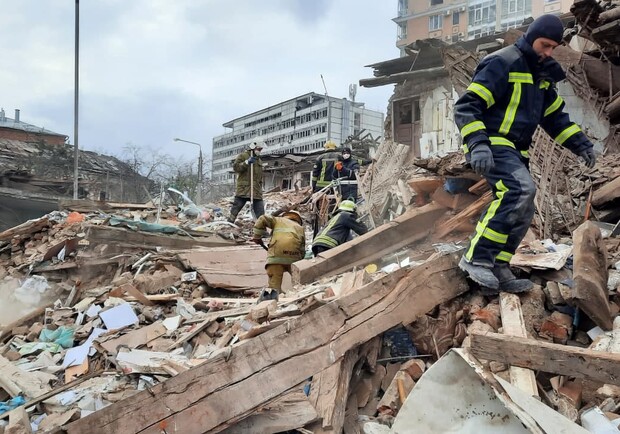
(37,170)
(151,323)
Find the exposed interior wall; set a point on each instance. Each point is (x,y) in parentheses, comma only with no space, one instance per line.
(585,115)
(422,117)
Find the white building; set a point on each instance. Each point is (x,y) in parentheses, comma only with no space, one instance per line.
(298,125)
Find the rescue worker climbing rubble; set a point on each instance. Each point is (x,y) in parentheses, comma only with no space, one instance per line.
(347,171)
(512,92)
(323,170)
(338,229)
(287,245)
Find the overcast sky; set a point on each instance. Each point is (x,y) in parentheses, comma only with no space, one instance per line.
(152,70)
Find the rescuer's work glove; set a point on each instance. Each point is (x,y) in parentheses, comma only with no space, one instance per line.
(588,157)
(481,159)
(339,166)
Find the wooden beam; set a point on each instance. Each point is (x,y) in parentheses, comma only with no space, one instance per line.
(513,325)
(138,239)
(86,206)
(28,227)
(473,210)
(608,192)
(408,228)
(330,389)
(287,412)
(548,357)
(234,384)
(590,275)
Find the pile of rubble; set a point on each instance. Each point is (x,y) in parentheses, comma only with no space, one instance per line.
(143,328)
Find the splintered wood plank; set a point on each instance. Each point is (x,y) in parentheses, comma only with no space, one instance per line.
(330,389)
(126,237)
(287,412)
(473,210)
(28,227)
(425,185)
(479,188)
(232,385)
(513,325)
(412,226)
(590,274)
(547,357)
(234,268)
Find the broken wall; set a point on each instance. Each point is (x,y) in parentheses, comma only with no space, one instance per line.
(431,129)
(585,115)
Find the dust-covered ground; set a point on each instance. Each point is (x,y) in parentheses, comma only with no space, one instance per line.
(18,297)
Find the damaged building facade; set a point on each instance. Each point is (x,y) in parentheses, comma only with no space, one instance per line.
(36,171)
(430,78)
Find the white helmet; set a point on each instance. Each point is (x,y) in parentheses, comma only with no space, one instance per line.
(257,144)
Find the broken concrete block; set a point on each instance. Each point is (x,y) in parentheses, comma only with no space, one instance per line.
(396,394)
(263,310)
(572,391)
(415,368)
(557,327)
(608,391)
(553,293)
(590,274)
(489,315)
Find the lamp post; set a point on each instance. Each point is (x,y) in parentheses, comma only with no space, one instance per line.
(76,151)
(199,192)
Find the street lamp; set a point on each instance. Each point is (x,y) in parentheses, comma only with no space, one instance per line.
(199,192)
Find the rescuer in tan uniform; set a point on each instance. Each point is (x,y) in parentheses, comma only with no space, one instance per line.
(287,245)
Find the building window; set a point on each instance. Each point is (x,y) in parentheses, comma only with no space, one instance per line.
(436,2)
(482,13)
(512,6)
(402,31)
(456,18)
(403,7)
(434,22)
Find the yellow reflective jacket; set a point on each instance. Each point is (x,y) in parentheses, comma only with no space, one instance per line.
(288,240)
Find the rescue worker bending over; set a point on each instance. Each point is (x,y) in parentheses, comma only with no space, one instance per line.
(247,162)
(338,229)
(287,245)
(347,169)
(323,171)
(512,92)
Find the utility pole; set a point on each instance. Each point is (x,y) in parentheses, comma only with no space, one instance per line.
(200,174)
(329,111)
(76,149)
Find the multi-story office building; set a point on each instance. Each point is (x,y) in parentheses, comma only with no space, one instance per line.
(455,20)
(298,125)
